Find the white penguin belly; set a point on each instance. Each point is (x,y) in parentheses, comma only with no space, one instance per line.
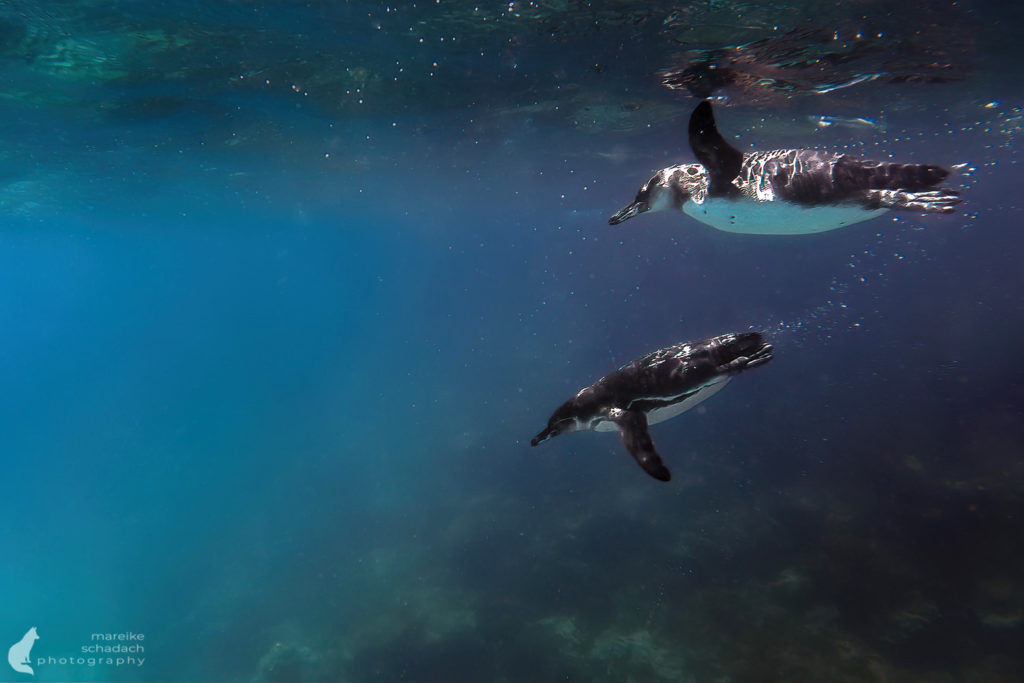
(753,217)
(668,412)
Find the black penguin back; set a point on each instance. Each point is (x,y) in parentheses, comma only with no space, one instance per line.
(864,174)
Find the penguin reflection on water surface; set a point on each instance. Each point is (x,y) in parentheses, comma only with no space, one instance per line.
(654,388)
(784,191)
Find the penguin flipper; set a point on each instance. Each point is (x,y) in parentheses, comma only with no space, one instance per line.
(637,440)
(721,160)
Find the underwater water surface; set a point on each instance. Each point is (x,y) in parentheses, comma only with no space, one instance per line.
(286,289)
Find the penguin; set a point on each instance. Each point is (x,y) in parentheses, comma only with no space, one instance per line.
(653,389)
(784,191)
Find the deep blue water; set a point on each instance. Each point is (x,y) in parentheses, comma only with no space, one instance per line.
(273,356)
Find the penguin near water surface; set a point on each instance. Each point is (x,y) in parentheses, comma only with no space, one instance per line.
(784,191)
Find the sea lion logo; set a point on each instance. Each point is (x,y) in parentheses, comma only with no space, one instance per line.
(17,656)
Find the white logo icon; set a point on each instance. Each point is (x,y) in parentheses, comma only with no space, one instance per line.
(17,656)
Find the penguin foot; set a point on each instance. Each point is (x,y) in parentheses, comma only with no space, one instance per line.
(760,357)
(929,201)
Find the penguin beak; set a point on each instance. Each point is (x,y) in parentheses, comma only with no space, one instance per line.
(542,437)
(635,209)
(556,426)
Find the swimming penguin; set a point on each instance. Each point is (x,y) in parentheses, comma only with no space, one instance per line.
(784,191)
(655,388)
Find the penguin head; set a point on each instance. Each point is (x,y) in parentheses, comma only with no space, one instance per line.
(669,188)
(562,421)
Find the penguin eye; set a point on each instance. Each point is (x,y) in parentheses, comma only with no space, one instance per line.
(691,171)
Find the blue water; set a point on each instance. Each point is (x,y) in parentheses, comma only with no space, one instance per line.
(273,357)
